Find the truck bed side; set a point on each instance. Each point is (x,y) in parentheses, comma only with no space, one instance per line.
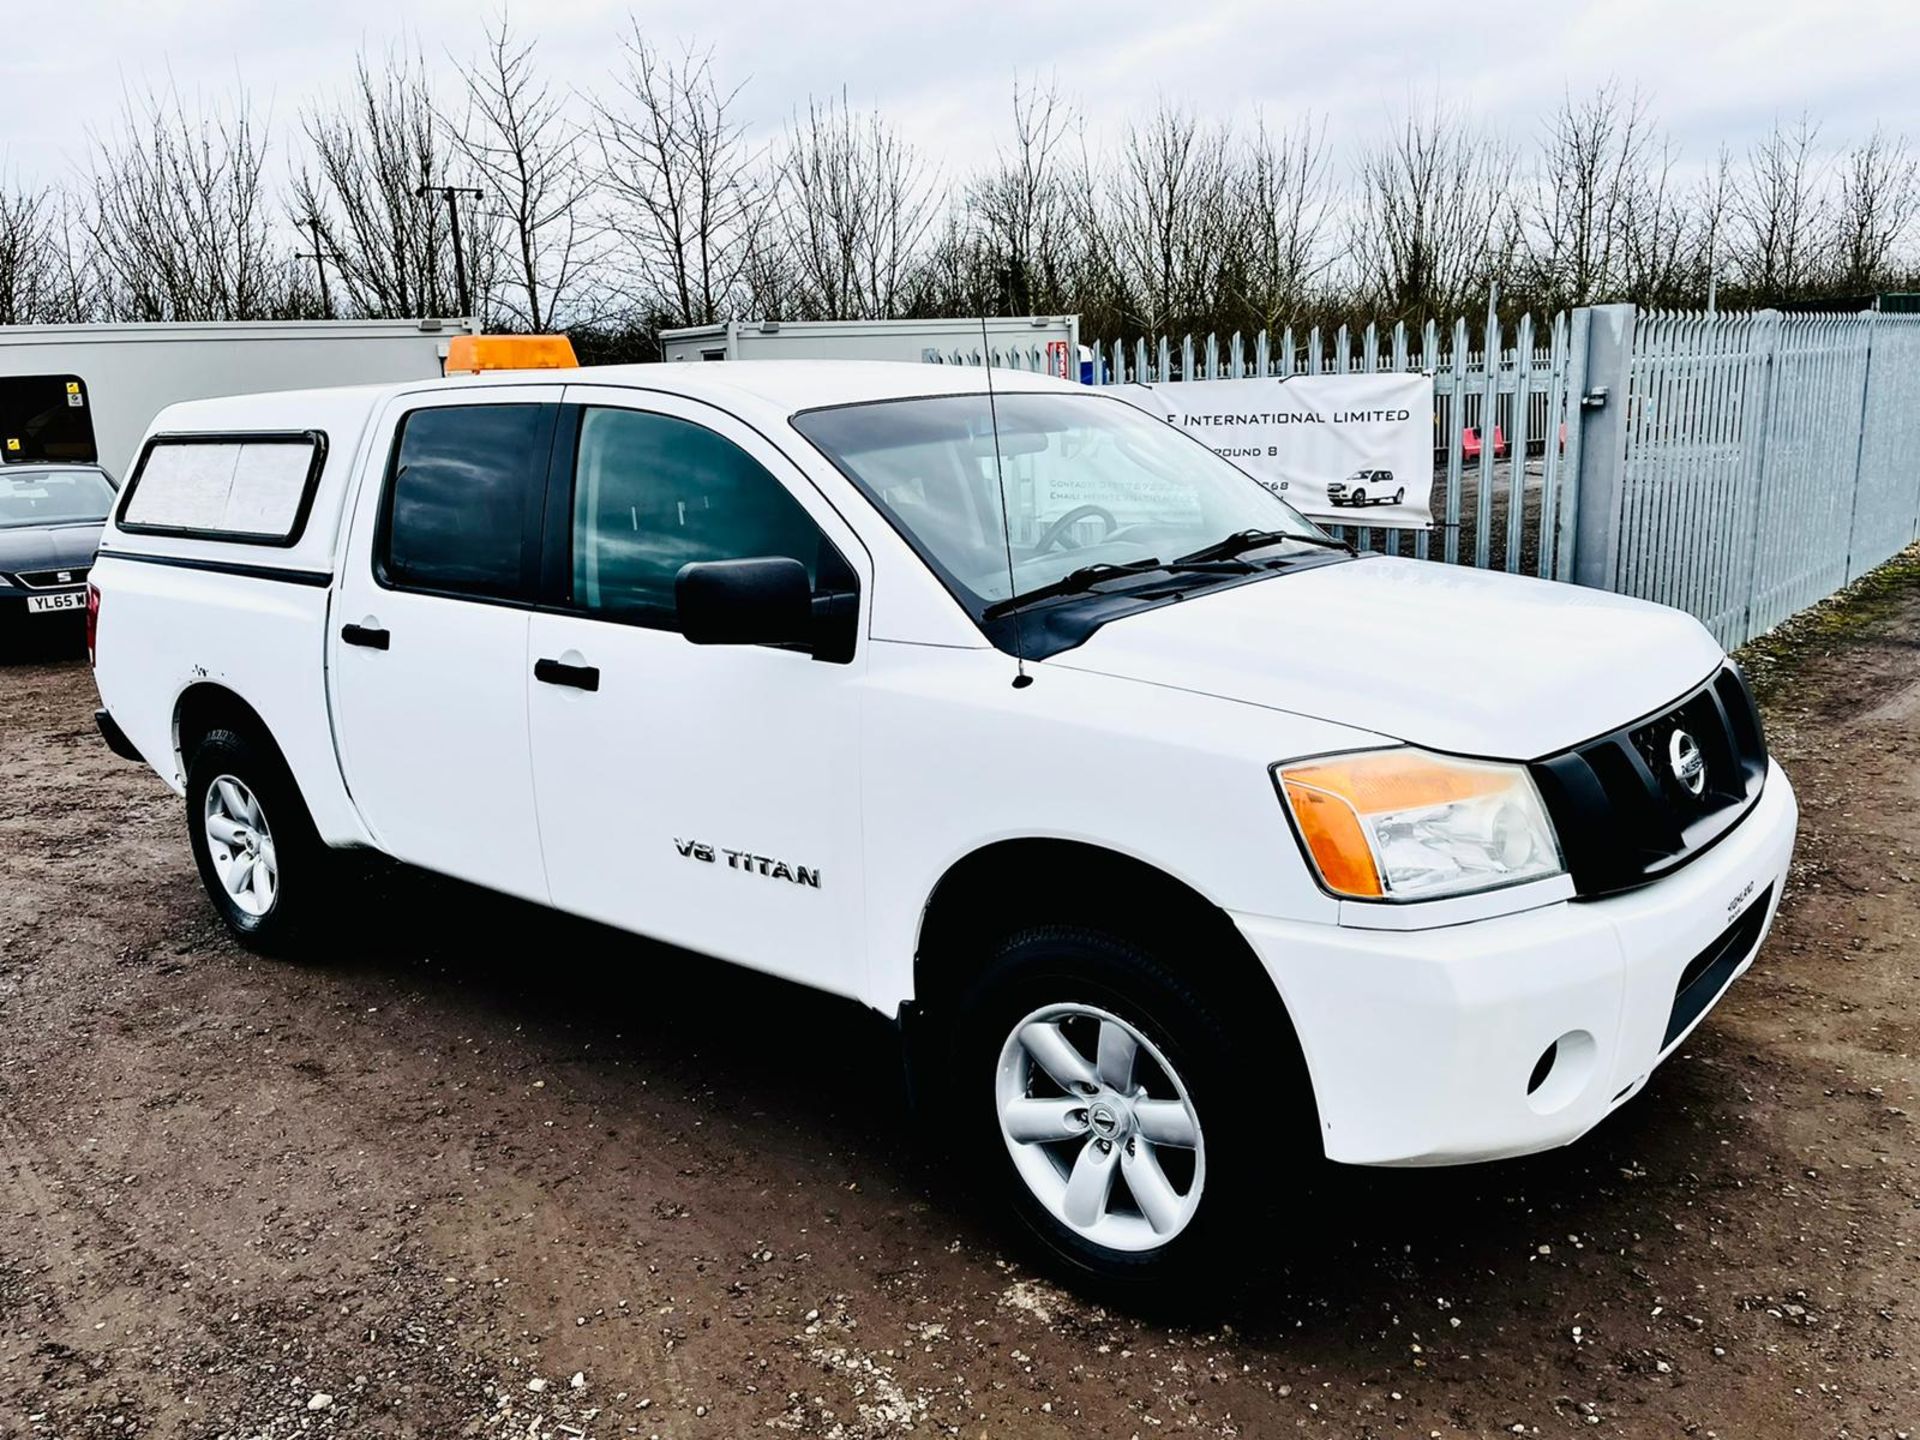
(178,612)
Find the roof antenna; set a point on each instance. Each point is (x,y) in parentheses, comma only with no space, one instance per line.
(1021,679)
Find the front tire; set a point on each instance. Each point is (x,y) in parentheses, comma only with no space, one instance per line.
(254,844)
(1106,1097)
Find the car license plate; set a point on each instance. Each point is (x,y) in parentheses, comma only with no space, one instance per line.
(49,604)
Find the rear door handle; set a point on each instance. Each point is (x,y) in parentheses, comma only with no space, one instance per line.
(580,677)
(368,635)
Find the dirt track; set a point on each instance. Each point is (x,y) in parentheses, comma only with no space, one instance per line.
(417,1189)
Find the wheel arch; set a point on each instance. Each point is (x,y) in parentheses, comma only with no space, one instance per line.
(990,892)
(206,706)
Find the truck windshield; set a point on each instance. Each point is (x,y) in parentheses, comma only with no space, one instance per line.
(53,497)
(1089,480)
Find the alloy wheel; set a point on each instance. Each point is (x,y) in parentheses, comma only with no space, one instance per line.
(241,846)
(1100,1127)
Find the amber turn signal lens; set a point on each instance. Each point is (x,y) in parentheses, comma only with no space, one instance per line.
(1334,839)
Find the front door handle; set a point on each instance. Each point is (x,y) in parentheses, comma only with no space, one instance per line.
(580,677)
(370,636)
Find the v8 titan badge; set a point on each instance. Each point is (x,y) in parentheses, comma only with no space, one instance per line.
(746,860)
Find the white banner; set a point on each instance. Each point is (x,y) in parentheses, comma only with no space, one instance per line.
(1350,449)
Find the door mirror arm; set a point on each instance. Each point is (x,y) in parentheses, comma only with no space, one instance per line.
(836,625)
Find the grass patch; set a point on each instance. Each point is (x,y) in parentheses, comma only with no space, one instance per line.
(1774,658)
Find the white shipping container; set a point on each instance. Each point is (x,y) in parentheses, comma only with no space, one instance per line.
(1044,344)
(60,384)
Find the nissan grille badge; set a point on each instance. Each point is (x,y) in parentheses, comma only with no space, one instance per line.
(1689,766)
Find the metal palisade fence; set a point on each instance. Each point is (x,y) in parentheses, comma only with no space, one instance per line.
(1740,466)
(1768,460)
(1499,486)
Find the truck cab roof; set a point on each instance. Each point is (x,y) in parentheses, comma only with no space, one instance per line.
(784,386)
(761,393)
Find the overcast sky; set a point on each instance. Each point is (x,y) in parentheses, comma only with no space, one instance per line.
(1716,69)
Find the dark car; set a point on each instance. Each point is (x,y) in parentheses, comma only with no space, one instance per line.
(1366,487)
(50,518)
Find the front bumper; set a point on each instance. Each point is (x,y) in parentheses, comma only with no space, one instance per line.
(1423,1044)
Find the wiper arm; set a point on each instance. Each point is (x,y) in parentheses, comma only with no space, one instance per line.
(1244,540)
(1075,582)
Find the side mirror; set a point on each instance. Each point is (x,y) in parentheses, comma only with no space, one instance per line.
(744,602)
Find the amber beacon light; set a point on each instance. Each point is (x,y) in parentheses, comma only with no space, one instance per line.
(471,354)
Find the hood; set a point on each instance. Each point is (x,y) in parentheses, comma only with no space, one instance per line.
(48,547)
(1469,661)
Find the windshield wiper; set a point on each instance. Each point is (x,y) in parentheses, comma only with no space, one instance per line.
(1244,540)
(1075,582)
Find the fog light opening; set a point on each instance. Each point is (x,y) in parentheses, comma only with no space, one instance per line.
(1563,1072)
(1543,1067)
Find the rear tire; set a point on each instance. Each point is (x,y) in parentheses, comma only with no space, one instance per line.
(1399,495)
(1111,1103)
(259,857)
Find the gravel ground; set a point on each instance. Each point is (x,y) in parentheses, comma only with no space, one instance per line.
(487,1173)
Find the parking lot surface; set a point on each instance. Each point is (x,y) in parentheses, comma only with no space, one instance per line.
(481,1171)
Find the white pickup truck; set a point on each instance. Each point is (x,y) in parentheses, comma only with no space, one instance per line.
(1180,840)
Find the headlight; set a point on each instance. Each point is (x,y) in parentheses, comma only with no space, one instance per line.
(1408,825)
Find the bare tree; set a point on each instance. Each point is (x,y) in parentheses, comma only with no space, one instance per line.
(524,153)
(1658,253)
(181,217)
(1873,209)
(1775,213)
(959,272)
(1580,221)
(1435,222)
(1163,219)
(1283,190)
(27,271)
(855,204)
(372,155)
(681,189)
(73,292)
(1182,223)
(768,287)
(1019,211)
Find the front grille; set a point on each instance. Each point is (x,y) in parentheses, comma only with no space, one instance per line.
(1623,813)
(51,579)
(1708,972)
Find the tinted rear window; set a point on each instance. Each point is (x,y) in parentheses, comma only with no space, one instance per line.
(464,499)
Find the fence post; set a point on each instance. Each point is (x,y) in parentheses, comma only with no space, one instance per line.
(1860,445)
(1599,379)
(1767,325)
